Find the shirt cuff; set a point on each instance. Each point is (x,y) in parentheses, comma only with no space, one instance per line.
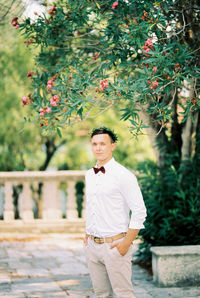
(136,225)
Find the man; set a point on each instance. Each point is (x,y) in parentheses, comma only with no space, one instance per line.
(112,194)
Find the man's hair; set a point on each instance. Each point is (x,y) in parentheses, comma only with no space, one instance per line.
(105,130)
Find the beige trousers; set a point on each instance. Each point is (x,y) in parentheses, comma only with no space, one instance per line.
(110,272)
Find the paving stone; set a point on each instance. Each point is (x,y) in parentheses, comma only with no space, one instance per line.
(70,269)
(72,282)
(12,295)
(45,263)
(80,295)
(4,269)
(32,272)
(5,287)
(173,292)
(19,265)
(3,254)
(35,284)
(46,295)
(4,278)
(81,258)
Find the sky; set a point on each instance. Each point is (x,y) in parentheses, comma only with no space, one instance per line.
(31,7)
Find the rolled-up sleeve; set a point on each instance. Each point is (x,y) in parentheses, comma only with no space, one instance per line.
(132,194)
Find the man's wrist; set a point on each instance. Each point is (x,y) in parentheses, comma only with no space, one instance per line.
(127,241)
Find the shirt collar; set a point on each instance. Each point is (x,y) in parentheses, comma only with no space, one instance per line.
(108,164)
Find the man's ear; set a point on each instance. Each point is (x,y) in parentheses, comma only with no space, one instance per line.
(113,146)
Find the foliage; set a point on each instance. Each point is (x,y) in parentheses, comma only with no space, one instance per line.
(79,197)
(141,53)
(172,198)
(15,146)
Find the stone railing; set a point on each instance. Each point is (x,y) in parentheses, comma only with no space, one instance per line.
(51,208)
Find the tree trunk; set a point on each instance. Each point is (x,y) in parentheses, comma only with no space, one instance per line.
(51,148)
(189,129)
(197,146)
(158,139)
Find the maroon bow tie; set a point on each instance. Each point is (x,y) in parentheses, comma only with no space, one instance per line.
(102,169)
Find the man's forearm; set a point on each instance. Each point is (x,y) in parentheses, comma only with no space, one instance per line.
(123,246)
(131,235)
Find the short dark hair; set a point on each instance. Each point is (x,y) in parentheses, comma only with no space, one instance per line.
(105,130)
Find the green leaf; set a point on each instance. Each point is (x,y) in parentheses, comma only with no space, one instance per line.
(59,132)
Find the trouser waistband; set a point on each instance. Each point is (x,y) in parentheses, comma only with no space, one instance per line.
(107,239)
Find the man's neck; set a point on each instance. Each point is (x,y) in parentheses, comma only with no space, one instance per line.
(101,163)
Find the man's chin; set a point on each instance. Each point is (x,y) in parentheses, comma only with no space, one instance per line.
(100,157)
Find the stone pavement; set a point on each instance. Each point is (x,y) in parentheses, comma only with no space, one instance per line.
(47,266)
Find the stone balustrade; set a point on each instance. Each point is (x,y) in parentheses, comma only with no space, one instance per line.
(50,195)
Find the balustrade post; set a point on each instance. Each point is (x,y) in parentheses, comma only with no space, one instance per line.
(26,204)
(71,209)
(51,209)
(8,214)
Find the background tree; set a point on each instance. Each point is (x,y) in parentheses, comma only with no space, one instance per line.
(8,8)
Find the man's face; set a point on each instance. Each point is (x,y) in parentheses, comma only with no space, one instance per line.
(102,147)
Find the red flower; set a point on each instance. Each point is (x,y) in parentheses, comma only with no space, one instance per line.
(52,10)
(154,85)
(146,49)
(44,110)
(115,5)
(29,74)
(154,69)
(50,82)
(96,55)
(54,100)
(148,82)
(29,41)
(104,84)
(49,86)
(41,112)
(47,109)
(149,43)
(26,100)
(14,22)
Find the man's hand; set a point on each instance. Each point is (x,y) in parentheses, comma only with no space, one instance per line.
(85,240)
(122,247)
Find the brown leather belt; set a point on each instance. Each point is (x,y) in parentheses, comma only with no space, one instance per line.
(106,239)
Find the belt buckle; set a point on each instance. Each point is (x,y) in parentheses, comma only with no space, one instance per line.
(97,240)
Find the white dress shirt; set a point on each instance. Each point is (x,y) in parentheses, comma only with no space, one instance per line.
(109,199)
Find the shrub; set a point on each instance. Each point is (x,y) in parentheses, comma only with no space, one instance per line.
(172,198)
